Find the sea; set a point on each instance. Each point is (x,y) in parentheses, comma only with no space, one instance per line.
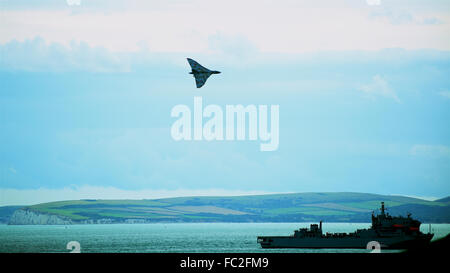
(167,237)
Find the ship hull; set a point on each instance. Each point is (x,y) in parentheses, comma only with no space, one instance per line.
(403,242)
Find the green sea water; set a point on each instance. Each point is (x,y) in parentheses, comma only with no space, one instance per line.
(167,237)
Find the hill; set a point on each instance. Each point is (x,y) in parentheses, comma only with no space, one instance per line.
(6,212)
(296,207)
(444,200)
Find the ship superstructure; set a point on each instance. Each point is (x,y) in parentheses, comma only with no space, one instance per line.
(386,231)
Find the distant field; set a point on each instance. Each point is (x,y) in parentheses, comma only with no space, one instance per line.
(331,207)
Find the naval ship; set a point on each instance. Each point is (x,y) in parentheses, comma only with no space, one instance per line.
(386,232)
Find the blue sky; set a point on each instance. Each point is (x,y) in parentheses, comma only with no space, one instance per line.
(87,92)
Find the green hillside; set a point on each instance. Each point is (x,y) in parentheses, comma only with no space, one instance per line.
(297,207)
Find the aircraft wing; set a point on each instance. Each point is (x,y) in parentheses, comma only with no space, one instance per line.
(196,67)
(200,78)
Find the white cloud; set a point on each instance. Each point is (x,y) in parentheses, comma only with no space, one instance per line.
(373,2)
(73,2)
(445,94)
(430,150)
(403,14)
(35,196)
(379,87)
(36,54)
(237,46)
(290,26)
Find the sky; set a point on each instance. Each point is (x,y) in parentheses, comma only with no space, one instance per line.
(87,90)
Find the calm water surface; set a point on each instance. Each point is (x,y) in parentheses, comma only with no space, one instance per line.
(165,237)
